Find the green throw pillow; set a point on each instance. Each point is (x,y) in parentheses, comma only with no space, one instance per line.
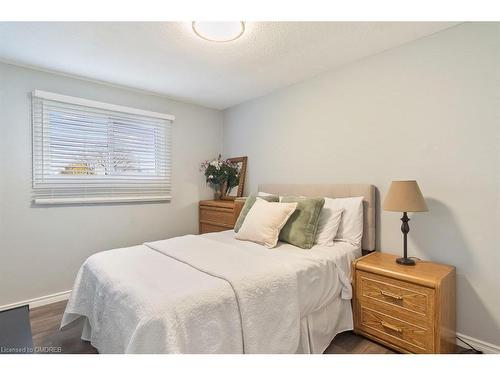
(300,229)
(248,205)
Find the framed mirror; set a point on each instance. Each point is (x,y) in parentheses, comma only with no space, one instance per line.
(234,188)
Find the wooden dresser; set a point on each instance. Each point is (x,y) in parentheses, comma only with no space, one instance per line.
(218,215)
(408,308)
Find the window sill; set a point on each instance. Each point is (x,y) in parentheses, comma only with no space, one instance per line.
(48,201)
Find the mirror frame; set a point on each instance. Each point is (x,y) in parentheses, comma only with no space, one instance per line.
(241,185)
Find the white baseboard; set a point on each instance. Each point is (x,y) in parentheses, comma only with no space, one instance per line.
(39,301)
(485,347)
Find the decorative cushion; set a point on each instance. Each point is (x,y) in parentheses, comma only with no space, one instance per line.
(328,224)
(249,202)
(264,221)
(300,230)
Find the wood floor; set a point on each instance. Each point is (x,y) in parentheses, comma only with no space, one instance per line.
(45,323)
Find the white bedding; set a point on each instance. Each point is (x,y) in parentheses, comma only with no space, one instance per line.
(208,294)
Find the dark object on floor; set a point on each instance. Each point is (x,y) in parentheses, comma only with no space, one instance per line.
(15,331)
(472,350)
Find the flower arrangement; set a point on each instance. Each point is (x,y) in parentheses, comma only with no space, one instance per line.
(221,175)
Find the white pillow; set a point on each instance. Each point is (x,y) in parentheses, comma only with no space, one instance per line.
(351,226)
(328,224)
(263,194)
(264,222)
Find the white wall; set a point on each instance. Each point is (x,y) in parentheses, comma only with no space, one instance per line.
(41,248)
(428,111)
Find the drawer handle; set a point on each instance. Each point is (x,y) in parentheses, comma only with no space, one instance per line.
(391,327)
(391,295)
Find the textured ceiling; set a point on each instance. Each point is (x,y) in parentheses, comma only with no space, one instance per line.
(167,58)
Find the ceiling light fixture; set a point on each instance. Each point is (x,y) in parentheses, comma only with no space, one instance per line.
(219,31)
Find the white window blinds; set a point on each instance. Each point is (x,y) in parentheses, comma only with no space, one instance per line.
(86,151)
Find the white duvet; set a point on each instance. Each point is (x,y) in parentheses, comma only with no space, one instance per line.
(205,294)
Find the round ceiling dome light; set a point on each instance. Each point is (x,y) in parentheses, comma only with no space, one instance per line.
(219,31)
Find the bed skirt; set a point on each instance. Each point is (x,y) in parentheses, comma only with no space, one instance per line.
(318,329)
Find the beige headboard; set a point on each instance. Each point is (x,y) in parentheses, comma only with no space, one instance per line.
(336,191)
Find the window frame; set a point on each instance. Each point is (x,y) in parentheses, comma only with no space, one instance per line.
(81,180)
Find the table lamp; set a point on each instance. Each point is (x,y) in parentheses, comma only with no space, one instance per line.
(405,196)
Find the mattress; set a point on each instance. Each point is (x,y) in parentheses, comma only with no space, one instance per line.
(142,300)
(317,275)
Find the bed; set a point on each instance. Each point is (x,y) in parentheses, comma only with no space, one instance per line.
(214,294)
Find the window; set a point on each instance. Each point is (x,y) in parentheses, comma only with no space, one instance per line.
(86,152)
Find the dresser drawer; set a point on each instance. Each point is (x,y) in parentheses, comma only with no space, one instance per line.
(408,336)
(395,297)
(209,228)
(221,216)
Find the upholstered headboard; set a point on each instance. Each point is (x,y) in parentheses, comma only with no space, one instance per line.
(336,191)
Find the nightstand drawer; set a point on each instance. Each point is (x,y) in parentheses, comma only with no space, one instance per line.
(408,336)
(396,297)
(217,215)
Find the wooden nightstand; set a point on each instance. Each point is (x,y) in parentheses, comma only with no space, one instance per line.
(408,308)
(216,216)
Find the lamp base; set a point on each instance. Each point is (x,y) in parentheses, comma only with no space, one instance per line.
(405,261)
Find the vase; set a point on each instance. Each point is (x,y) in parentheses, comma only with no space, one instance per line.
(220,191)
(224,189)
(217,192)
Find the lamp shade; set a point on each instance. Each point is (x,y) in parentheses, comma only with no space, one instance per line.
(404,196)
